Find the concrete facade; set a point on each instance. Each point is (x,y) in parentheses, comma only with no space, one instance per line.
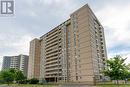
(24,64)
(34,59)
(6,62)
(74,51)
(17,62)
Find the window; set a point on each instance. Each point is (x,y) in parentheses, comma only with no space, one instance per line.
(76,77)
(100,31)
(79,66)
(74,40)
(79,45)
(102,43)
(103,55)
(102,51)
(80,77)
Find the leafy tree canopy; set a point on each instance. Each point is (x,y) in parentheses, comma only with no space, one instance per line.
(6,76)
(10,75)
(116,68)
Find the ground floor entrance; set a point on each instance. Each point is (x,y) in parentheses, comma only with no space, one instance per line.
(51,79)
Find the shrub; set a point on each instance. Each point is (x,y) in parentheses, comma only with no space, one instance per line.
(33,81)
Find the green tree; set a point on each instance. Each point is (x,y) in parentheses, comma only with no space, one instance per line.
(116,68)
(10,75)
(19,76)
(6,76)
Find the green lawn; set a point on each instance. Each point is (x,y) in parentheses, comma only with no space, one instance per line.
(31,85)
(108,85)
(101,85)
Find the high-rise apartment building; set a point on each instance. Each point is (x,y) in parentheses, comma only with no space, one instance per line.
(34,59)
(23,65)
(17,62)
(74,51)
(6,62)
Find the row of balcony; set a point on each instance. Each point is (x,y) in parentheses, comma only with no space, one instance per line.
(51,52)
(52,41)
(51,55)
(52,38)
(50,34)
(49,59)
(50,49)
(52,64)
(51,45)
(52,61)
(54,70)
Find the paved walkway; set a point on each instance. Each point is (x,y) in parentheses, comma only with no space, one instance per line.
(3,85)
(65,85)
(75,85)
(27,86)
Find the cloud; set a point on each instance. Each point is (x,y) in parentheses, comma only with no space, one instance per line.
(43,14)
(116,19)
(31,19)
(34,18)
(14,44)
(14,39)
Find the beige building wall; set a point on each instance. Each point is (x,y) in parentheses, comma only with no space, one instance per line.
(87,47)
(23,64)
(74,51)
(34,59)
(54,54)
(81,67)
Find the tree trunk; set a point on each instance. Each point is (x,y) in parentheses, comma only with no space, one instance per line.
(117,83)
(8,83)
(18,83)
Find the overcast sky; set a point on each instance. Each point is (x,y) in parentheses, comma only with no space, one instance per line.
(33,18)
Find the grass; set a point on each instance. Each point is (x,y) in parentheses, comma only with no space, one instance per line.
(48,85)
(32,85)
(53,85)
(109,85)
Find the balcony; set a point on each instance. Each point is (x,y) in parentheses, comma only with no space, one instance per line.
(51,38)
(51,45)
(51,55)
(51,69)
(49,49)
(56,72)
(52,41)
(49,59)
(52,61)
(52,51)
(51,35)
(51,65)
